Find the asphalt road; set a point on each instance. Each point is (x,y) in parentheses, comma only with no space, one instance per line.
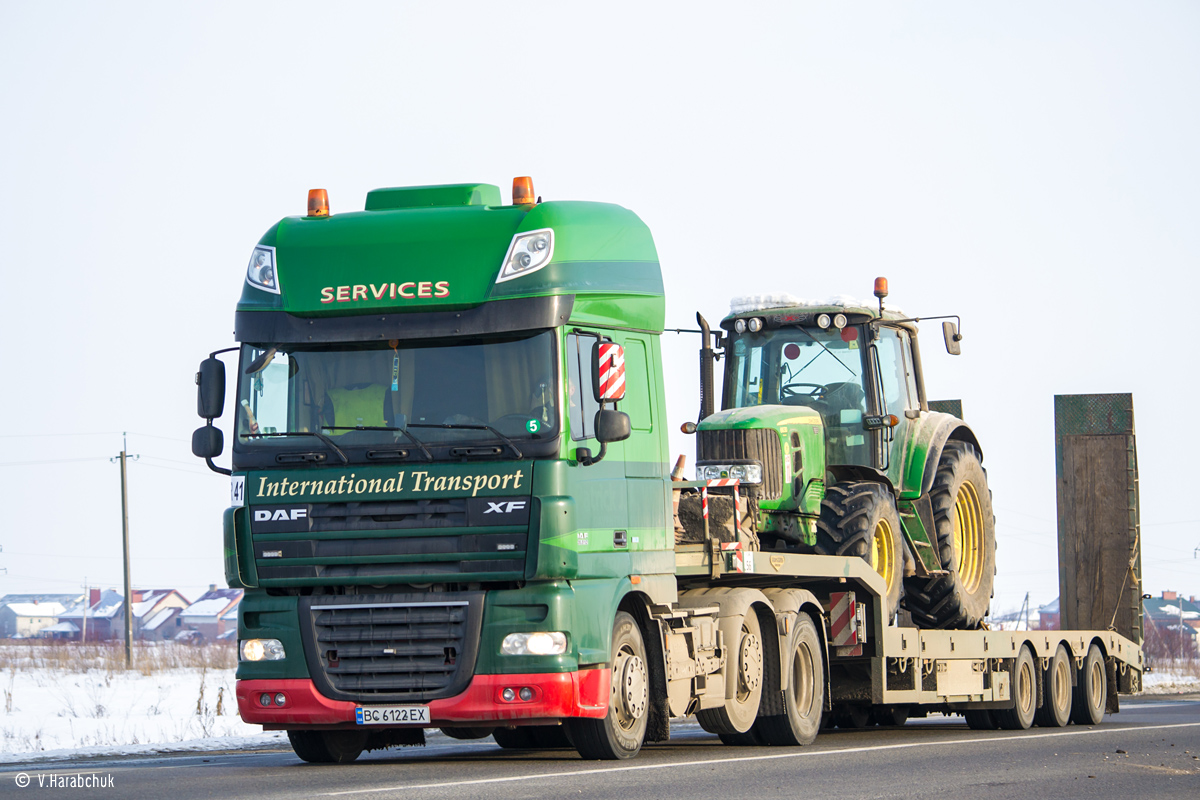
(939,756)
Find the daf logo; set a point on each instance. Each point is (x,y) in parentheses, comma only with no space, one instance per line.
(280,515)
(504,508)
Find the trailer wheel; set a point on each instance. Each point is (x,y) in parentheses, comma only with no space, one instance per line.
(966,543)
(1024,690)
(859,518)
(1056,691)
(738,713)
(1091,692)
(982,720)
(328,747)
(804,699)
(621,733)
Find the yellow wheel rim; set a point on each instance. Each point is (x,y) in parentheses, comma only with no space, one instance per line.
(968,537)
(883,552)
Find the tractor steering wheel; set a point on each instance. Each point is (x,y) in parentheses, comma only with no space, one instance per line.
(816,391)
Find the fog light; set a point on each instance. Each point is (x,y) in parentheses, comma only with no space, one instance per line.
(264,700)
(280,699)
(526,693)
(509,695)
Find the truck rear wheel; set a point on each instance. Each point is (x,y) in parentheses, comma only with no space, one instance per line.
(1091,692)
(745,674)
(804,698)
(1056,691)
(1024,690)
(328,747)
(859,518)
(966,544)
(621,733)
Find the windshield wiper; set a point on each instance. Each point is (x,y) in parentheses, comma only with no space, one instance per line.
(320,436)
(424,450)
(818,355)
(479,427)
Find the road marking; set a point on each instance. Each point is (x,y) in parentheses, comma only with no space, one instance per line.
(773,757)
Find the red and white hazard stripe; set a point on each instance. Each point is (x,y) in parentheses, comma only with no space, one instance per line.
(612,371)
(843,629)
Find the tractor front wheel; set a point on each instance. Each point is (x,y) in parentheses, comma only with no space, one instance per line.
(859,518)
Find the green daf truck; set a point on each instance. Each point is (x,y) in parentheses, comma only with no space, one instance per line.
(452,505)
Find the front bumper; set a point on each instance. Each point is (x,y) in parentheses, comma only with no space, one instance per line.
(557,695)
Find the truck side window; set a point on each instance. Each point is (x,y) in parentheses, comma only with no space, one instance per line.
(581,402)
(637,386)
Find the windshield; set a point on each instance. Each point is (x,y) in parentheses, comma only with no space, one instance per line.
(820,369)
(403,395)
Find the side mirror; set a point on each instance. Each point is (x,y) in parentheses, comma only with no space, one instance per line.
(953,337)
(208,442)
(608,372)
(611,426)
(210,389)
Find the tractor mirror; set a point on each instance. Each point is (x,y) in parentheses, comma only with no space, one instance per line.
(953,337)
(608,372)
(210,388)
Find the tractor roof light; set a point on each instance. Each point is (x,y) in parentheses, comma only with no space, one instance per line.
(881,288)
(318,203)
(823,321)
(839,321)
(755,325)
(740,325)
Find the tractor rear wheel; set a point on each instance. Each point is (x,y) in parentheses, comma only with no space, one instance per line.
(859,518)
(966,544)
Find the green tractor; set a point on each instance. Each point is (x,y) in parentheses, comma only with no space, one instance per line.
(826,425)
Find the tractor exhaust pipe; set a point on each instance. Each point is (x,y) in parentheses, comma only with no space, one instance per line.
(706,369)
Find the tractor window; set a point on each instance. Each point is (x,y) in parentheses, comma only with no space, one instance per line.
(892,372)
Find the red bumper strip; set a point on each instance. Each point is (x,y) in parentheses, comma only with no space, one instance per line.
(556,695)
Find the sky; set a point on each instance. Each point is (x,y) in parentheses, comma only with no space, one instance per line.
(1031,167)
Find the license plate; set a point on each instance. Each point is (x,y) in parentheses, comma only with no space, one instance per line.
(392,715)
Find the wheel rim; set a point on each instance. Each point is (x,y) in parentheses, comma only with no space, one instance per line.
(1062,686)
(883,552)
(1095,687)
(802,680)
(1025,688)
(968,537)
(749,665)
(629,688)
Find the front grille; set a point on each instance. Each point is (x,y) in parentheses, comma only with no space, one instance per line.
(753,444)
(421,541)
(392,648)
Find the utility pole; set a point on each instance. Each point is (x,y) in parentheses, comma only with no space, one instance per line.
(123,457)
(87,601)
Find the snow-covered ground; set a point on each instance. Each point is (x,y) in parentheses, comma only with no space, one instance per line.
(51,713)
(1172,680)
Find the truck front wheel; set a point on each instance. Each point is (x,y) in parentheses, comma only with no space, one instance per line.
(328,747)
(621,732)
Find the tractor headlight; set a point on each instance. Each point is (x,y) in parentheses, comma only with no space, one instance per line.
(538,643)
(528,253)
(260,273)
(746,473)
(262,650)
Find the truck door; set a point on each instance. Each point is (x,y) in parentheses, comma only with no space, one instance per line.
(645,464)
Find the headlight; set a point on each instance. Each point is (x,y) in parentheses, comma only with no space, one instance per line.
(839,321)
(260,273)
(262,650)
(534,644)
(823,321)
(740,326)
(755,324)
(528,253)
(746,473)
